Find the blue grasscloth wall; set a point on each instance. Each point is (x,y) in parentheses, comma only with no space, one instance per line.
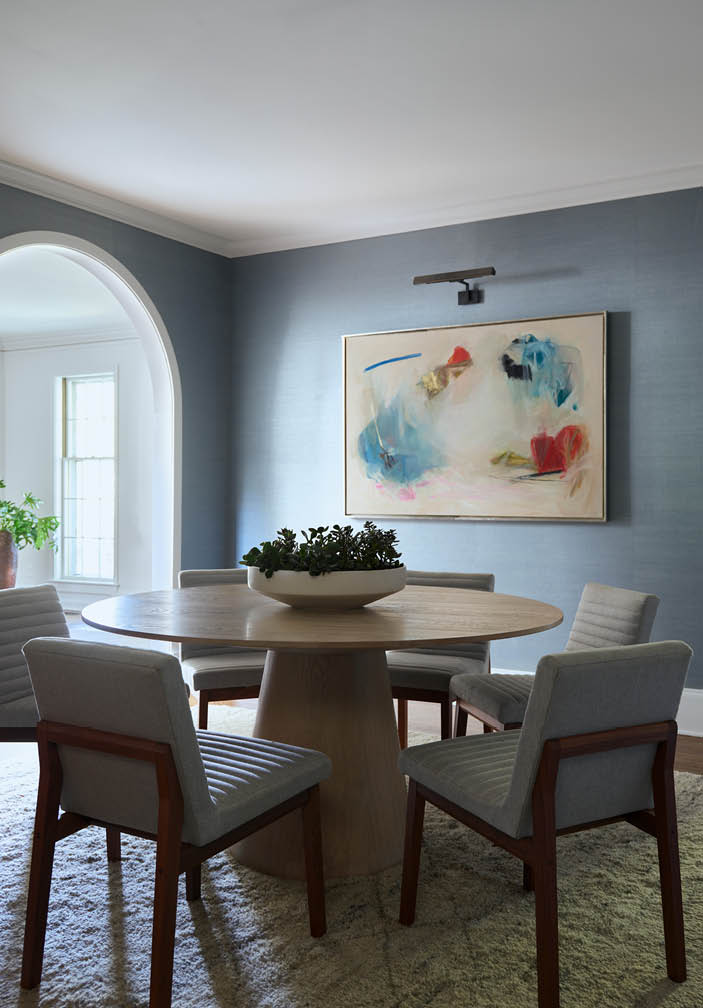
(641,260)
(190,289)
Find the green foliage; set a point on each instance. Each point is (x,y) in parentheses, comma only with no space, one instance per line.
(323,550)
(24,524)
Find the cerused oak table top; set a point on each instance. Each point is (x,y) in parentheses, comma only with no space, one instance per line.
(235,615)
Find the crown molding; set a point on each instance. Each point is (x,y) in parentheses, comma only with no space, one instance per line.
(66,337)
(106,206)
(686,177)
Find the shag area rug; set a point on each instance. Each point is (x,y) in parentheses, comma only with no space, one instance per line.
(246,944)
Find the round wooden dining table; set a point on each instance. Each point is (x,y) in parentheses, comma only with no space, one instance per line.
(326,686)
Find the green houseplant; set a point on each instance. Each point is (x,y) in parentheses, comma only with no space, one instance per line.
(358,567)
(20,526)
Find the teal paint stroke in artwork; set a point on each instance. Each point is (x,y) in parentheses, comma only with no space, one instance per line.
(391,360)
(395,449)
(541,368)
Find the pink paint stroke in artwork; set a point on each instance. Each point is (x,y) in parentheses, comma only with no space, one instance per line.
(406,493)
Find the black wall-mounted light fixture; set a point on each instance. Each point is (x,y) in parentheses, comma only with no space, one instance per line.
(470,295)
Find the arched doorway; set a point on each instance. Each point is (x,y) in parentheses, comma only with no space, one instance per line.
(165,380)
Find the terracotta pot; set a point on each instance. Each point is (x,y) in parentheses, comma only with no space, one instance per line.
(8,560)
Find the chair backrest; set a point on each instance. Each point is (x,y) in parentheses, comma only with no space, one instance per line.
(195,578)
(439,579)
(25,613)
(579,692)
(607,617)
(131,692)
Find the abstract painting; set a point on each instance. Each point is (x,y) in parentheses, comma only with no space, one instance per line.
(496,420)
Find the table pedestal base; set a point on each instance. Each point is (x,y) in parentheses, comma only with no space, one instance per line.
(340,704)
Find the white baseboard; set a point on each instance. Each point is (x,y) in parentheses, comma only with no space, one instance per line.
(690,716)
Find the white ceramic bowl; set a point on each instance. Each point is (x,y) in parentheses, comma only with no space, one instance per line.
(335,590)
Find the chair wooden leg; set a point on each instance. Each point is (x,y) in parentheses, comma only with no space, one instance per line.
(168,850)
(446,718)
(314,873)
(547,929)
(411,855)
(669,867)
(114,843)
(193,883)
(42,864)
(403,723)
(528,877)
(203,700)
(461,719)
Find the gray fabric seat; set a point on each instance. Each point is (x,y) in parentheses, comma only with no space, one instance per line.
(606,617)
(426,673)
(597,745)
(117,747)
(24,613)
(234,672)
(596,690)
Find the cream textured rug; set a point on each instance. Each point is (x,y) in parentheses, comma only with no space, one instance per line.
(246,945)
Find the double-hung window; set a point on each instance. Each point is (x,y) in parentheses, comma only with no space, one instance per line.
(88,478)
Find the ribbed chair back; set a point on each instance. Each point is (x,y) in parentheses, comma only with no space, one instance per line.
(608,617)
(439,579)
(596,690)
(131,692)
(195,578)
(25,613)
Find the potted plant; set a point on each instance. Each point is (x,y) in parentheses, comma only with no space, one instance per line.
(331,568)
(21,526)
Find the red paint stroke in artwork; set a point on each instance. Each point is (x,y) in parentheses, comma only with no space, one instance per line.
(460,356)
(555,454)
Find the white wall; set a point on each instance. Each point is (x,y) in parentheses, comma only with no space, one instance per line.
(27,381)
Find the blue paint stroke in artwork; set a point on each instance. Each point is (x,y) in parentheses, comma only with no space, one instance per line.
(542,366)
(395,449)
(391,360)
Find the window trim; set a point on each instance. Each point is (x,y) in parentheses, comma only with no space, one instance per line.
(60,429)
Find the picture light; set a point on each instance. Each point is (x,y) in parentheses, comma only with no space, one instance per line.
(470,295)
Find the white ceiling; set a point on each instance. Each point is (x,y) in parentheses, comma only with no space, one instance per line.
(250,126)
(44,294)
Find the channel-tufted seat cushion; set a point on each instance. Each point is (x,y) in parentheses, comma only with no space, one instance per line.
(503,697)
(427,670)
(606,617)
(247,776)
(24,613)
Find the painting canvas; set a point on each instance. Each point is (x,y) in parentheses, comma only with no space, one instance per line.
(498,420)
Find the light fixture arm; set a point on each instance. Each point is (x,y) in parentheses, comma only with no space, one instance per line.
(470,295)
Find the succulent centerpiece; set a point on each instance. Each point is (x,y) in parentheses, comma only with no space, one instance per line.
(329,568)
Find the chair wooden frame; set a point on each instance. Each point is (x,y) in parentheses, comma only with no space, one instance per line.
(112,833)
(206,696)
(490,724)
(173,857)
(402,694)
(538,852)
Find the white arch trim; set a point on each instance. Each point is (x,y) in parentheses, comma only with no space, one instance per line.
(165,376)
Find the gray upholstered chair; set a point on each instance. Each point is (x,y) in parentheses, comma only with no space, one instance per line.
(219,673)
(606,617)
(425,673)
(24,613)
(597,746)
(27,613)
(117,745)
